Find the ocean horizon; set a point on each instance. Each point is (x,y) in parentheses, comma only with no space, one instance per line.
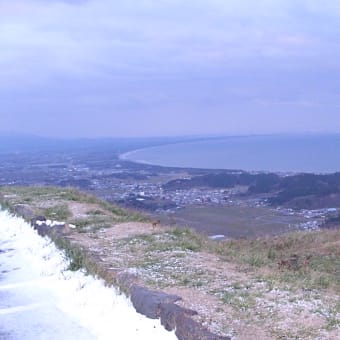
(312,153)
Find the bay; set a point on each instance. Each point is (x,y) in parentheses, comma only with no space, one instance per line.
(268,153)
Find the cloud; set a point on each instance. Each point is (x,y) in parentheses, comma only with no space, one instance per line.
(176,31)
(174,58)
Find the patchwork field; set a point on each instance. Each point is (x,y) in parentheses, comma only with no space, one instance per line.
(234,221)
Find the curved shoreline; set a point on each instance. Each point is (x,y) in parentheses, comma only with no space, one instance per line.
(194,140)
(123,157)
(306,157)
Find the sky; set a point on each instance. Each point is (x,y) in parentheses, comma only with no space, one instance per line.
(136,68)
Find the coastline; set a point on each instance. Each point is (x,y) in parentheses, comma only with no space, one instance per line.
(195,144)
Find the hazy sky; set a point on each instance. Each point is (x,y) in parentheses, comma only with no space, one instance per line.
(169,67)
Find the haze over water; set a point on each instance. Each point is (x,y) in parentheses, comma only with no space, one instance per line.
(276,153)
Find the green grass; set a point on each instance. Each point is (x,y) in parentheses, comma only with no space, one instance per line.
(299,259)
(74,254)
(173,240)
(95,212)
(310,260)
(59,212)
(305,266)
(34,196)
(92,223)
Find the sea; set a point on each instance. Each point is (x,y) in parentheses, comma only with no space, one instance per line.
(41,299)
(310,153)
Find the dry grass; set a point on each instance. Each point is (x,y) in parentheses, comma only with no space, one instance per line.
(283,287)
(239,286)
(56,203)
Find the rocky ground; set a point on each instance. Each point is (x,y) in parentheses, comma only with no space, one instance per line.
(283,287)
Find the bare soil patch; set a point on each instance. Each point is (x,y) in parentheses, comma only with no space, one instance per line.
(237,287)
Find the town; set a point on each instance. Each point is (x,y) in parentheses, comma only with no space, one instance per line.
(101,172)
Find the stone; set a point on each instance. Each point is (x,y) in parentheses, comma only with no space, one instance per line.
(148,302)
(155,304)
(189,329)
(24,211)
(41,228)
(170,312)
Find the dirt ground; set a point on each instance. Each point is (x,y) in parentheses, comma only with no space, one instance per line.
(234,298)
(230,299)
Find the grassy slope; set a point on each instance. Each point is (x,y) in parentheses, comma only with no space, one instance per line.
(54,203)
(304,265)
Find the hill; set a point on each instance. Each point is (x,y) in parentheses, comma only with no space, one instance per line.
(282,287)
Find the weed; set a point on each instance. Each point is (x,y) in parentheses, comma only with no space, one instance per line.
(228,297)
(240,300)
(76,257)
(272,254)
(5,205)
(59,212)
(237,285)
(256,260)
(332,323)
(74,254)
(95,212)
(323,281)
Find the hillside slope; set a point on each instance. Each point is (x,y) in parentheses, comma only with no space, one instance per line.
(284,287)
